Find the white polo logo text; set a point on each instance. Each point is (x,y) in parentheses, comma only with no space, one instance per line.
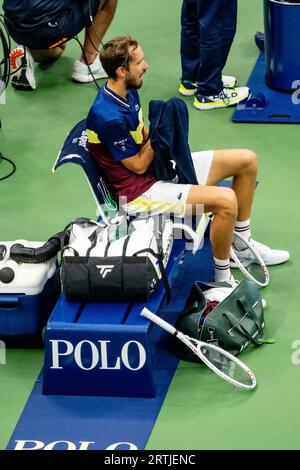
(132,355)
(22,444)
(105,269)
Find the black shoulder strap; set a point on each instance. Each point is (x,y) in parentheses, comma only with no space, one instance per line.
(125,245)
(233,322)
(67,247)
(80,221)
(93,239)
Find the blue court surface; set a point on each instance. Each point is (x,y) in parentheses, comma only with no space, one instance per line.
(95,423)
(266,105)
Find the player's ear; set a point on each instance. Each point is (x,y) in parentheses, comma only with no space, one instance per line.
(120,72)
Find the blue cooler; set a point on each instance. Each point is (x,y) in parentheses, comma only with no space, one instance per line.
(282,35)
(28,293)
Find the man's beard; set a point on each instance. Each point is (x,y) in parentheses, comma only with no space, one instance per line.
(131,83)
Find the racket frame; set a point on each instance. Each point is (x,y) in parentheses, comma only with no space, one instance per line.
(195,344)
(242,268)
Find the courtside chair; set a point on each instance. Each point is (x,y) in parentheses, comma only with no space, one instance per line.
(75,150)
(117,324)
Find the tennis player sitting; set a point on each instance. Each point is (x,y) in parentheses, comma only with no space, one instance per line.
(118,140)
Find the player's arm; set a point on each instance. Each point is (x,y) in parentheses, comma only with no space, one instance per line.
(123,148)
(145,133)
(140,162)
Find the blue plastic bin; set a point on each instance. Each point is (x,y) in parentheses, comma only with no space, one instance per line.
(282,36)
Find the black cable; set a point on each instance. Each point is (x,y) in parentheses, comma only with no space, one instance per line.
(90,39)
(11,163)
(6,47)
(86,61)
(59,35)
(94,28)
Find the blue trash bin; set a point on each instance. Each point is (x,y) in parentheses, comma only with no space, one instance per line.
(282,38)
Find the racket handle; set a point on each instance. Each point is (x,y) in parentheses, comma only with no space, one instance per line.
(159,321)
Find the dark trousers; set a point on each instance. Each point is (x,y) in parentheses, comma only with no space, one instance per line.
(207,31)
(50,28)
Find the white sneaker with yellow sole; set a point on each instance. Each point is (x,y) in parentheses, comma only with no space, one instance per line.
(227,97)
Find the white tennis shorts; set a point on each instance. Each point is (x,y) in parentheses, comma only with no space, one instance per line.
(170,197)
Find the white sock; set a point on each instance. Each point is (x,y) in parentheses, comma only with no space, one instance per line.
(243,228)
(222,270)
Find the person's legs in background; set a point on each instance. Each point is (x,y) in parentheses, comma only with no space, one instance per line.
(229,23)
(53,36)
(93,37)
(209,72)
(189,47)
(95,31)
(217,23)
(42,43)
(46,56)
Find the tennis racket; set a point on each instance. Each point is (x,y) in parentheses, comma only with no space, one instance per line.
(224,364)
(197,235)
(248,260)
(200,230)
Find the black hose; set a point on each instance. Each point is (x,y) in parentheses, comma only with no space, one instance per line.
(23,254)
(13,166)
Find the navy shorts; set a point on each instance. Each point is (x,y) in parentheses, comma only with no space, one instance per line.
(74,16)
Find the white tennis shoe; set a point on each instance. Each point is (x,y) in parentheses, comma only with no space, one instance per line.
(232,281)
(22,67)
(270,257)
(82,72)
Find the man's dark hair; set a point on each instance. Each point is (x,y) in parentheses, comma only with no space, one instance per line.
(115,53)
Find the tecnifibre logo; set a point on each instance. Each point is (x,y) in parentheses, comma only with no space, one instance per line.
(105,269)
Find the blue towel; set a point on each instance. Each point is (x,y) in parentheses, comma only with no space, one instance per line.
(169,127)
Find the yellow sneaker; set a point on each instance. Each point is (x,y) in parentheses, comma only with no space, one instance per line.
(187,88)
(227,97)
(229,81)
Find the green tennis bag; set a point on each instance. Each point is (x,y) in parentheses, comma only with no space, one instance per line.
(234,323)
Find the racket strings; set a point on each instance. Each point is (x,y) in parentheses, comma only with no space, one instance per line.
(247,257)
(242,250)
(226,365)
